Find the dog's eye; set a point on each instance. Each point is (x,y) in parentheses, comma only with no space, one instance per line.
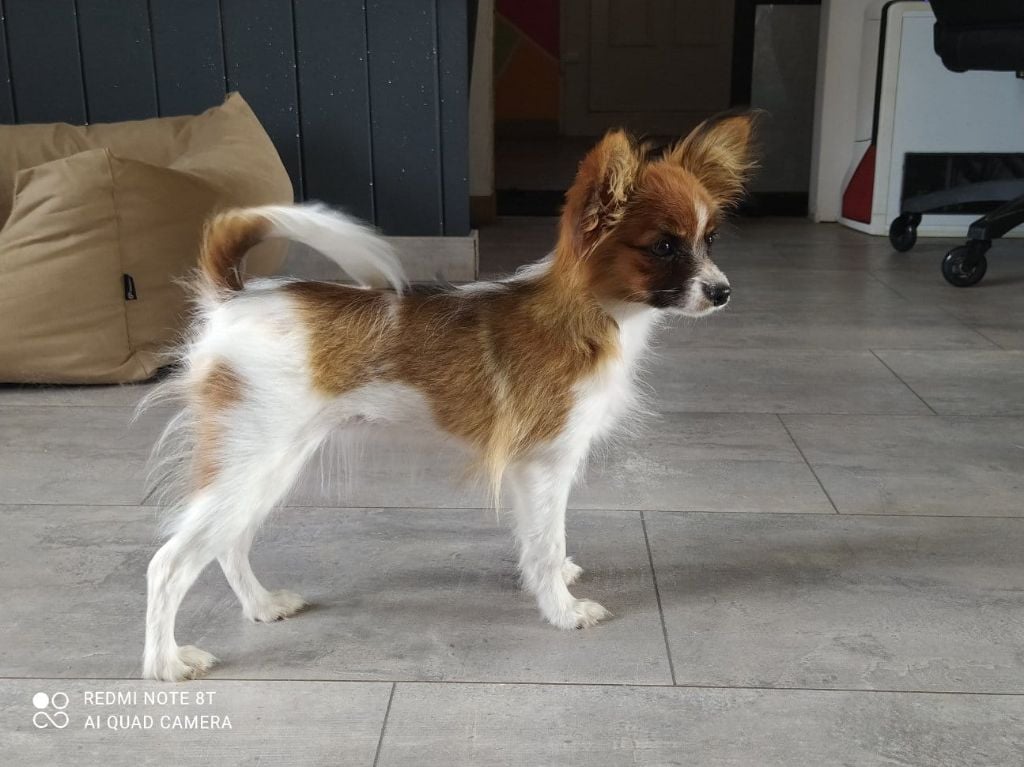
(663,247)
(710,237)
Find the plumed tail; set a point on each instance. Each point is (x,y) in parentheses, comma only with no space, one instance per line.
(364,256)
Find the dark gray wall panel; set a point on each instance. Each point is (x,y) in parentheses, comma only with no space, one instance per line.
(42,42)
(365,101)
(259,49)
(6,94)
(188,54)
(453,65)
(330,42)
(117,59)
(404,100)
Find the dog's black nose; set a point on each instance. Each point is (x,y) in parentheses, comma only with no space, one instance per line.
(718,294)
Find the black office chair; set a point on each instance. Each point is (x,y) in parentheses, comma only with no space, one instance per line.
(987,35)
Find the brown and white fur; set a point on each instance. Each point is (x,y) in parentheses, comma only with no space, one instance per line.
(526,372)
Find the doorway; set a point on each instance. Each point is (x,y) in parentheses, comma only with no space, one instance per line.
(565,72)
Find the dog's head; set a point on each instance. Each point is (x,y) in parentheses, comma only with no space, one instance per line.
(639,228)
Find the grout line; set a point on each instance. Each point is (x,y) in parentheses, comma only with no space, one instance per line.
(694,686)
(439,108)
(384,724)
(900,379)
(657,596)
(999,346)
(574,510)
(664,412)
(81,61)
(4,28)
(807,463)
(153,57)
(823,514)
(871,274)
(369,115)
(518,683)
(299,126)
(942,308)
(223,46)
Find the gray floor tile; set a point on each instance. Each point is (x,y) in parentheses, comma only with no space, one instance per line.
(963,383)
(1007,332)
(1002,324)
(674,461)
(918,274)
(918,266)
(761,381)
(88,454)
(912,603)
(995,301)
(127,395)
(842,327)
(867,253)
(785,231)
(794,288)
(700,462)
(398,595)
(909,465)
(307,723)
(490,725)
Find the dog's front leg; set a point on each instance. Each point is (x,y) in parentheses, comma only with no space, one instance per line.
(540,493)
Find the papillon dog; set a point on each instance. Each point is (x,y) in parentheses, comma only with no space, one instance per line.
(526,372)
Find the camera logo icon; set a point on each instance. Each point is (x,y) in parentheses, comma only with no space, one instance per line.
(50,711)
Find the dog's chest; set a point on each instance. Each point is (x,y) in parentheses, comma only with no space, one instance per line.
(603,398)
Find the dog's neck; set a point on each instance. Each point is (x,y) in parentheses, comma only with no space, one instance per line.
(636,322)
(563,298)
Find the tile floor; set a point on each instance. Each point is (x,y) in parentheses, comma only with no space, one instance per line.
(815,556)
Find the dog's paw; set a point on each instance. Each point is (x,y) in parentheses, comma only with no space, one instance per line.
(571,571)
(276,606)
(589,613)
(186,662)
(579,614)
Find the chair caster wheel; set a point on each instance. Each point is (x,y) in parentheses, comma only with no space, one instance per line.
(965,265)
(903,231)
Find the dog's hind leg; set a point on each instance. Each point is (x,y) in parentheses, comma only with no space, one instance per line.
(219,522)
(171,573)
(258,604)
(540,492)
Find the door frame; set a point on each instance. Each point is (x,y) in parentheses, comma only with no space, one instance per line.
(744,16)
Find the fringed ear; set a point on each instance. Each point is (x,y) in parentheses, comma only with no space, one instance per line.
(719,152)
(603,185)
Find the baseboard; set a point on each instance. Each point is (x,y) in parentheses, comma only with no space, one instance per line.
(426,259)
(483,209)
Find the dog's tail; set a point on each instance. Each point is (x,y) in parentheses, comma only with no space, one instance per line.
(365,256)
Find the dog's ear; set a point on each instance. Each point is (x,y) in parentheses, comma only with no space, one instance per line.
(719,152)
(603,185)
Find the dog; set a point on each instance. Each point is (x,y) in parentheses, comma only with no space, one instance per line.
(527,372)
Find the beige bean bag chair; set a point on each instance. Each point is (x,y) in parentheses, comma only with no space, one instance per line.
(99,222)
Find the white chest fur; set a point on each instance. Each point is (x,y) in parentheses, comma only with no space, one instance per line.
(605,397)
